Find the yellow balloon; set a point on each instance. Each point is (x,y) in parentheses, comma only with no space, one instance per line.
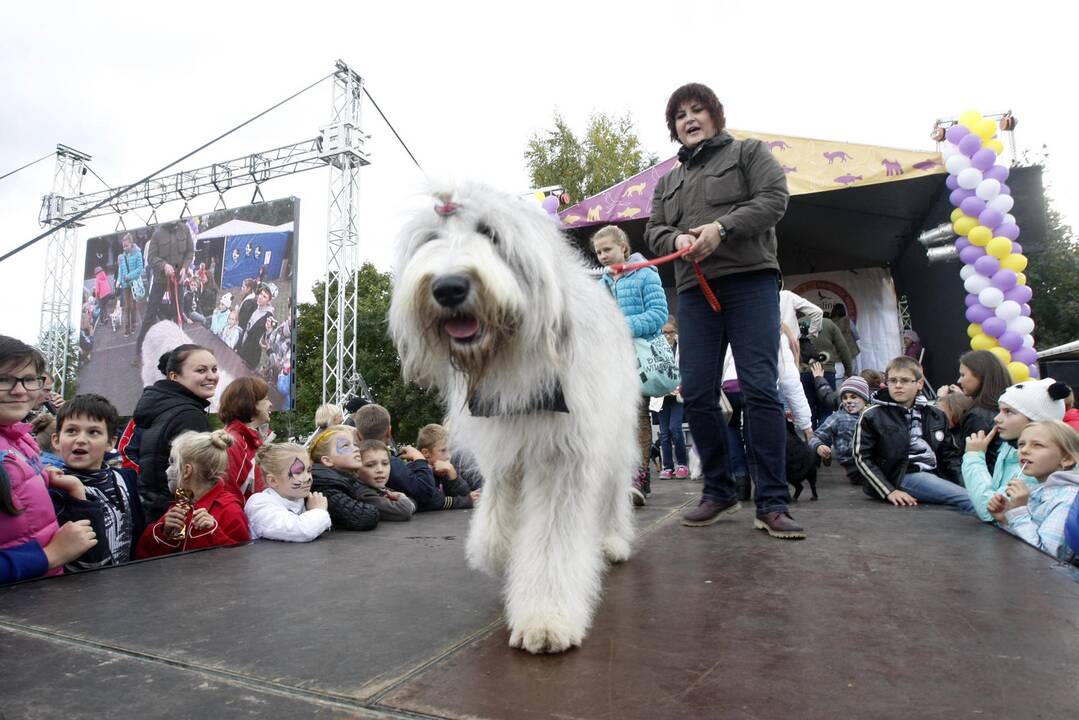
(970,119)
(996,146)
(957,213)
(538,195)
(974,330)
(1022,279)
(1003,354)
(1000,247)
(1018,371)
(964,225)
(985,129)
(982,342)
(1018,263)
(981,235)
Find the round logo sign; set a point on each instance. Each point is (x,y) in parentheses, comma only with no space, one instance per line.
(827,295)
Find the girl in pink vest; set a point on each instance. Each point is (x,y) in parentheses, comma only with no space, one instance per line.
(31,544)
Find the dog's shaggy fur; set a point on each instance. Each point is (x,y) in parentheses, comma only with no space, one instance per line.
(162,337)
(493,306)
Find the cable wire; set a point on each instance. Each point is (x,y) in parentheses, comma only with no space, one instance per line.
(35,162)
(107,186)
(154,174)
(391,129)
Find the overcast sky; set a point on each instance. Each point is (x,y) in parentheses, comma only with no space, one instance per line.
(137,85)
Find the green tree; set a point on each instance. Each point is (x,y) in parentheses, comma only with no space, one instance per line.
(608,152)
(1054,276)
(71,374)
(410,406)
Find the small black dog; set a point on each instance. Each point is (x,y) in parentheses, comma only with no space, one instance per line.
(801,463)
(655,456)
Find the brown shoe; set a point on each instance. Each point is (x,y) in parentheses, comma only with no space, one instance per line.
(780,525)
(710,511)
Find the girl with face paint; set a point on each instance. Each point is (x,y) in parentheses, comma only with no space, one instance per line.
(335,463)
(286,510)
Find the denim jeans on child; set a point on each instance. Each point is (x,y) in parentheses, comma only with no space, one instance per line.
(929,488)
(749,323)
(735,444)
(670,433)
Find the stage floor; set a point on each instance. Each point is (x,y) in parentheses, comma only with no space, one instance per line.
(881,613)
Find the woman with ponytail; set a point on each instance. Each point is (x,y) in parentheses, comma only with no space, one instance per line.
(166,409)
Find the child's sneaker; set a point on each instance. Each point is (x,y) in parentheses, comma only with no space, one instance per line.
(680,472)
(665,474)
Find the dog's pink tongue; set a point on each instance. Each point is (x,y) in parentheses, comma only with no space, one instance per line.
(461,328)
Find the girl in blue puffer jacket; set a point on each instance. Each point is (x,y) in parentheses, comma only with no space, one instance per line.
(642,300)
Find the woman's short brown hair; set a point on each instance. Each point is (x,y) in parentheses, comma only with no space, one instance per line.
(240,398)
(695,92)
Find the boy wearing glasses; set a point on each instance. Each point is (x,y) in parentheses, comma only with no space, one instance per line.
(900,445)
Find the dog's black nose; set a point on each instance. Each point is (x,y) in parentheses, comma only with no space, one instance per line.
(451,290)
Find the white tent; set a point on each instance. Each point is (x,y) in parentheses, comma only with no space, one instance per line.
(239,227)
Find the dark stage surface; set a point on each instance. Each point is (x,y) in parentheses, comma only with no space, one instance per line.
(882,613)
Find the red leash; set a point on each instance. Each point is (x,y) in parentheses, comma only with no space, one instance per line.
(176,300)
(710,296)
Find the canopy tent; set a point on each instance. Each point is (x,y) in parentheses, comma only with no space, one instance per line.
(852,206)
(239,227)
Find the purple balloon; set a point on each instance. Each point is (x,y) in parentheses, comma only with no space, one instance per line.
(1011,341)
(956,133)
(961,243)
(1020,294)
(986,264)
(1005,190)
(1008,230)
(958,196)
(997,172)
(1034,371)
(1025,310)
(979,313)
(1005,279)
(970,144)
(1024,355)
(973,206)
(971,300)
(1017,249)
(994,327)
(990,218)
(971,255)
(952,183)
(983,159)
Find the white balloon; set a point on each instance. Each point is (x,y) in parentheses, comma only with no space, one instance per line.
(957,163)
(1022,325)
(1028,341)
(948,150)
(1003,203)
(968,179)
(991,296)
(976,283)
(1009,218)
(1008,310)
(987,189)
(967,271)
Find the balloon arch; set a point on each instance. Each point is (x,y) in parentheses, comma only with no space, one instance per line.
(998,296)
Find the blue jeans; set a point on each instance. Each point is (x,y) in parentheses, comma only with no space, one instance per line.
(749,323)
(929,488)
(670,433)
(735,444)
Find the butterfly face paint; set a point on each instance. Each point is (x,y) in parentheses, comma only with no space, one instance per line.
(296,484)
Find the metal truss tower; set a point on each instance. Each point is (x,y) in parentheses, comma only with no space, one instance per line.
(60,262)
(342,149)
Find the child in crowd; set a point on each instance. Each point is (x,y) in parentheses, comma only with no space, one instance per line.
(1071,414)
(982,378)
(85,428)
(1021,404)
(374,472)
(1048,451)
(900,447)
(672,442)
(220,319)
(287,509)
(43,426)
(31,543)
(874,379)
(233,332)
(433,442)
(415,478)
(335,463)
(210,514)
(835,436)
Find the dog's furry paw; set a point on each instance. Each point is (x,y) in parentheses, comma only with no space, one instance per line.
(616,550)
(545,637)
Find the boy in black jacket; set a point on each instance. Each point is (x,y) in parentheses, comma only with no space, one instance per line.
(901,447)
(107,497)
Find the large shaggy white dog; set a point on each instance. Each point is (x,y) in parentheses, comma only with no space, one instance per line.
(494,307)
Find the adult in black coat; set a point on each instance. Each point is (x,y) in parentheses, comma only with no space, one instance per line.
(166,409)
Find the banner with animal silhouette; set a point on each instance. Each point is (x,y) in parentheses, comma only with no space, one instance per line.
(232,290)
(810,165)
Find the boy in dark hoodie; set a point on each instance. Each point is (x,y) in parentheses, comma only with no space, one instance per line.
(414,477)
(901,447)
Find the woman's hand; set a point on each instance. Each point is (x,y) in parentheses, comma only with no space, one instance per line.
(980,441)
(707,240)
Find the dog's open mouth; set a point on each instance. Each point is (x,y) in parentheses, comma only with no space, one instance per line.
(462,328)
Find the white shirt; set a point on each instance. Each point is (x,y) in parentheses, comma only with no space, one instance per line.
(789,307)
(274,517)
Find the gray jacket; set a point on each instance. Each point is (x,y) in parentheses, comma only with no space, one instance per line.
(736,182)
